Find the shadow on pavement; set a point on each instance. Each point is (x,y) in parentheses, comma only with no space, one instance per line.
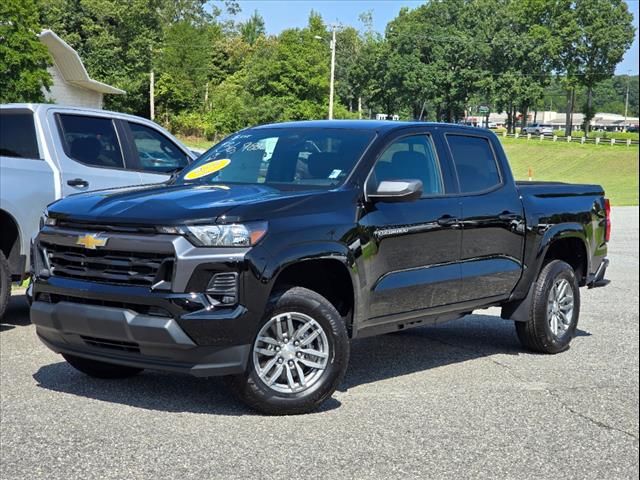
(17,313)
(151,390)
(372,359)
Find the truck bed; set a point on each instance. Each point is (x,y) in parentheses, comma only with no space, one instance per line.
(558,189)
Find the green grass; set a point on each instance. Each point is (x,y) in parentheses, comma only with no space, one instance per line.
(613,167)
(195,142)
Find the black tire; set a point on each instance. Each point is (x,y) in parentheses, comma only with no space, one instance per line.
(257,395)
(97,369)
(5,284)
(536,334)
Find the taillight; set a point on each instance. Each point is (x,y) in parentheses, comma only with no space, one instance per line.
(607,213)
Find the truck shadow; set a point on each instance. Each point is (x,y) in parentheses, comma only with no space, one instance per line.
(16,314)
(372,360)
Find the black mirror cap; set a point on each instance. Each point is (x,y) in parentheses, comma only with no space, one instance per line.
(397,191)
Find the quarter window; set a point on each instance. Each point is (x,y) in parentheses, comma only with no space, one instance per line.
(409,158)
(18,135)
(475,163)
(156,152)
(91,141)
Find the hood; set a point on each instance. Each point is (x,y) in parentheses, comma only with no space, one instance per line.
(172,205)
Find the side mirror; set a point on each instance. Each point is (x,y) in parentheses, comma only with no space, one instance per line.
(397,191)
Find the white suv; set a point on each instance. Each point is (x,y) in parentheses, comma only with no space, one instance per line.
(538,129)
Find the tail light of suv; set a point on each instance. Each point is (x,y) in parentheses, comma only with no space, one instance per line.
(607,212)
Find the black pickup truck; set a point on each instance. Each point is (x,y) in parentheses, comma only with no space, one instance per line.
(281,243)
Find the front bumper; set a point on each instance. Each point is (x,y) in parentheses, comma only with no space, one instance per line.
(169,325)
(124,337)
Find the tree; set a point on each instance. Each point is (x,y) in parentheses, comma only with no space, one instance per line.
(605,33)
(120,41)
(435,53)
(23,58)
(115,40)
(253,28)
(183,64)
(592,36)
(519,40)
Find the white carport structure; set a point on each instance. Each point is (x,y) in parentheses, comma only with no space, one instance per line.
(71,82)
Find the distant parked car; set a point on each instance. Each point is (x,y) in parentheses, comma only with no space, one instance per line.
(492,125)
(538,129)
(48,152)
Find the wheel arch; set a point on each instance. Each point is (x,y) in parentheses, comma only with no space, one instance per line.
(10,240)
(566,242)
(326,271)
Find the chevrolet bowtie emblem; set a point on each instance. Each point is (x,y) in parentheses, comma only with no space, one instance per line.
(91,241)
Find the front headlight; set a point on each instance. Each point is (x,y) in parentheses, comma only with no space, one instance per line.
(46,220)
(234,235)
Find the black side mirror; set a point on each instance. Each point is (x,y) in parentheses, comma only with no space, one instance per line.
(397,191)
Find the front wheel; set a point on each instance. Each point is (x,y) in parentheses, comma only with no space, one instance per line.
(554,312)
(299,355)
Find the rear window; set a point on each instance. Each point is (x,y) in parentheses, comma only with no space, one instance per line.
(18,135)
(475,163)
(91,141)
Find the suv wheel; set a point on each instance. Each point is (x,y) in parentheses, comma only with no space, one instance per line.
(299,355)
(555,309)
(5,283)
(97,369)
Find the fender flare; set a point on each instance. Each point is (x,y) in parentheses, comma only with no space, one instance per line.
(309,251)
(520,310)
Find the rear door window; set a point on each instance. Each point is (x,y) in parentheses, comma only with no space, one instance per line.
(92,141)
(18,135)
(155,151)
(475,163)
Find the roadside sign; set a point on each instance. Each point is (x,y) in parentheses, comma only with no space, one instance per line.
(483,110)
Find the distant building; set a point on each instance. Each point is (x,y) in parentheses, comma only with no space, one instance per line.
(71,83)
(601,121)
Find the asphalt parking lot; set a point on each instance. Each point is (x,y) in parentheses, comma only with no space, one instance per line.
(461,400)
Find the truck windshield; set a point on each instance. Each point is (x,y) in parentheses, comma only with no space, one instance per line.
(317,157)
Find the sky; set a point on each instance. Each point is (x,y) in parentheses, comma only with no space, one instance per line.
(281,14)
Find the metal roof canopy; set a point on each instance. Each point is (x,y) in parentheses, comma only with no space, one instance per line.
(70,65)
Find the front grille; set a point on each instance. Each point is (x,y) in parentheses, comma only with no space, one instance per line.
(111,344)
(92,227)
(108,266)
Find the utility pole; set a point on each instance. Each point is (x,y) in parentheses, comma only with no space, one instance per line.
(332,45)
(333,70)
(152,85)
(626,102)
(151,96)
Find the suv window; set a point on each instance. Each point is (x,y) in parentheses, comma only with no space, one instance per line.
(18,135)
(475,163)
(91,140)
(409,158)
(156,152)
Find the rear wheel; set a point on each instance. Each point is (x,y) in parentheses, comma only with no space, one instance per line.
(5,283)
(555,309)
(299,355)
(97,369)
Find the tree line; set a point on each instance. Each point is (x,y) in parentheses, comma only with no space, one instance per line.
(440,61)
